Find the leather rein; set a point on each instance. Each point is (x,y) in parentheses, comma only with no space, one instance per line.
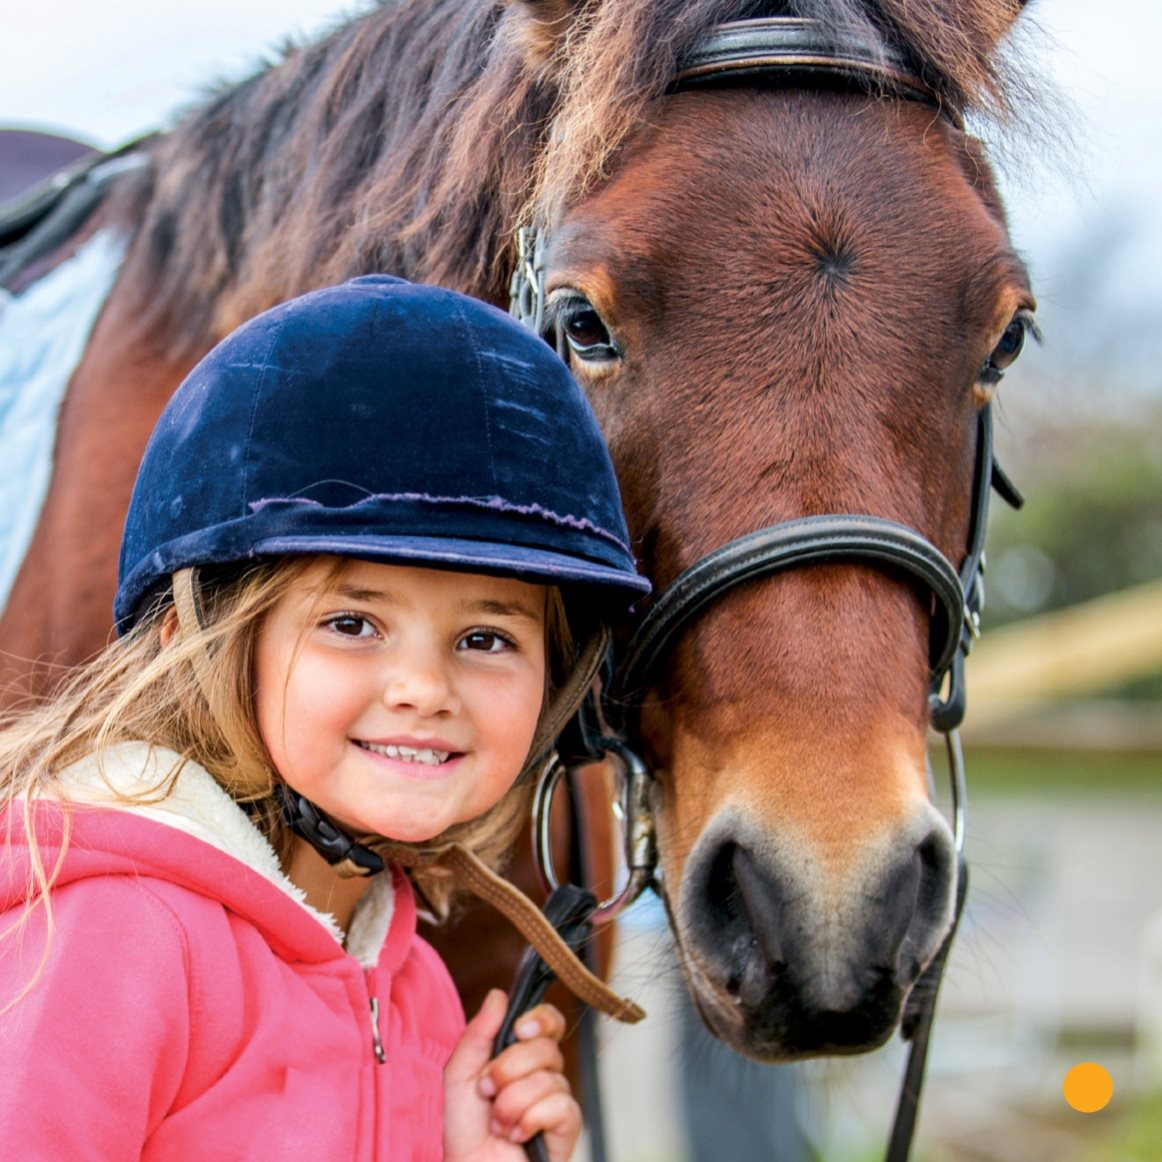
(788,51)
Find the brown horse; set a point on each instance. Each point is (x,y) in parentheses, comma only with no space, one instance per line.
(784,298)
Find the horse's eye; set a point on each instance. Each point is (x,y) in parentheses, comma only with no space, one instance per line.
(1005,353)
(587,336)
(585,329)
(1010,345)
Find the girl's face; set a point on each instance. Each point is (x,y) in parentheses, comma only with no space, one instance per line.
(401,700)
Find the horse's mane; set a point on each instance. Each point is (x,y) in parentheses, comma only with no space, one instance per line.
(416,138)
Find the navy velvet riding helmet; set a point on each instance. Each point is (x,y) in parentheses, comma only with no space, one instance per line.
(388,421)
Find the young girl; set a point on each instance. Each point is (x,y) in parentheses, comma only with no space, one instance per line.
(365,570)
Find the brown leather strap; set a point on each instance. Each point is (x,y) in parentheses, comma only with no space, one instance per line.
(529,921)
(191,622)
(571,694)
(185,600)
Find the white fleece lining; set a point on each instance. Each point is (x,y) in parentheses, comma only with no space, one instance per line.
(200,807)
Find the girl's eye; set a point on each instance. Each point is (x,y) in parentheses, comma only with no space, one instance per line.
(351,625)
(486,641)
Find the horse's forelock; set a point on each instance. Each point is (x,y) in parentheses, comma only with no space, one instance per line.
(415,138)
(621,55)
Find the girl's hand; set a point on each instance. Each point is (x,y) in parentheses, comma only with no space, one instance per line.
(494,1104)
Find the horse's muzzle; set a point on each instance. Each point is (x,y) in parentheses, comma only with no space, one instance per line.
(787,961)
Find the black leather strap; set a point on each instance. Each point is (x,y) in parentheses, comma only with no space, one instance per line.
(788,50)
(810,540)
(947,711)
(917,1028)
(35,225)
(568,909)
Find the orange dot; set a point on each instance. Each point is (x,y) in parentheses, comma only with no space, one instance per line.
(1088,1087)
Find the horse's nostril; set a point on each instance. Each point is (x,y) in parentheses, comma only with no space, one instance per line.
(734,983)
(933,854)
(761,900)
(739,923)
(935,863)
(792,958)
(721,887)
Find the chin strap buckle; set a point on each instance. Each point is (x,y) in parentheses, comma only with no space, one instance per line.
(343,852)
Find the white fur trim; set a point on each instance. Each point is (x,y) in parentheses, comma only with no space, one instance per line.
(129,777)
(371,920)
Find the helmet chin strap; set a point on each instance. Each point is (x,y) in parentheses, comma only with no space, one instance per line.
(566,702)
(342,851)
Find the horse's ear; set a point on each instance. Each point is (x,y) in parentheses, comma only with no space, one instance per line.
(541,25)
(1015,11)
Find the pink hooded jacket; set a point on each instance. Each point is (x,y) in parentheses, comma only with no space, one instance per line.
(192,1006)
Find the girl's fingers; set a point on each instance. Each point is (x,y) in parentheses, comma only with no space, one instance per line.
(541,1021)
(542,1103)
(471,1055)
(518,1061)
(524,1087)
(559,1119)
(537,1033)
(514,1101)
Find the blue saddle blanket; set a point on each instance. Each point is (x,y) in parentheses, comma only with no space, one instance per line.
(43,332)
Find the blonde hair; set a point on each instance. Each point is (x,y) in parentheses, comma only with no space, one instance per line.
(194,695)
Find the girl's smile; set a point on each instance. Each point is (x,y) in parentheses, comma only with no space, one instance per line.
(401,700)
(430,754)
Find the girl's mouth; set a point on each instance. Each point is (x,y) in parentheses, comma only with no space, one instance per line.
(426,756)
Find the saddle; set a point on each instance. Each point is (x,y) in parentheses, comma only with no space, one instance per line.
(34,223)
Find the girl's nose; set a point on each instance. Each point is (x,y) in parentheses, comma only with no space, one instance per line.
(420,681)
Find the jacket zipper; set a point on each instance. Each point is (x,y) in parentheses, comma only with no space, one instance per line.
(375,1078)
(376,1042)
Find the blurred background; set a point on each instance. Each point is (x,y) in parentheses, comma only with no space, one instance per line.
(1059,958)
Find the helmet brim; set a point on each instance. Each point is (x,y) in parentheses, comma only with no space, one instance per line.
(541,566)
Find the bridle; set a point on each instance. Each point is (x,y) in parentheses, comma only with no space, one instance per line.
(788,51)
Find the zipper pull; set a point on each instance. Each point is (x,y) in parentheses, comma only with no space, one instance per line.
(376,1043)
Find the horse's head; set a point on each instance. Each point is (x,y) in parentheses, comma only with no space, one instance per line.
(783,302)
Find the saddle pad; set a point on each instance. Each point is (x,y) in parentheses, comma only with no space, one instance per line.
(43,332)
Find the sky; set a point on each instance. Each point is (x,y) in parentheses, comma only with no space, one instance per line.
(111,70)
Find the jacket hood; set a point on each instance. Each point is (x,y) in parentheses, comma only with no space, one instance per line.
(116,814)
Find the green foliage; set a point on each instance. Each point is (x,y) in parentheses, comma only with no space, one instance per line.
(1134,1137)
(1092,523)
(995,771)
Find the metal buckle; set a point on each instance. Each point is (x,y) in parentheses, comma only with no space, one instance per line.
(634,810)
(959,788)
(526,290)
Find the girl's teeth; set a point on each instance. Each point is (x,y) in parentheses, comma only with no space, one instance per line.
(408,754)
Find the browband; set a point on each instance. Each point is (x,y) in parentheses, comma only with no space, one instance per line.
(789,49)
